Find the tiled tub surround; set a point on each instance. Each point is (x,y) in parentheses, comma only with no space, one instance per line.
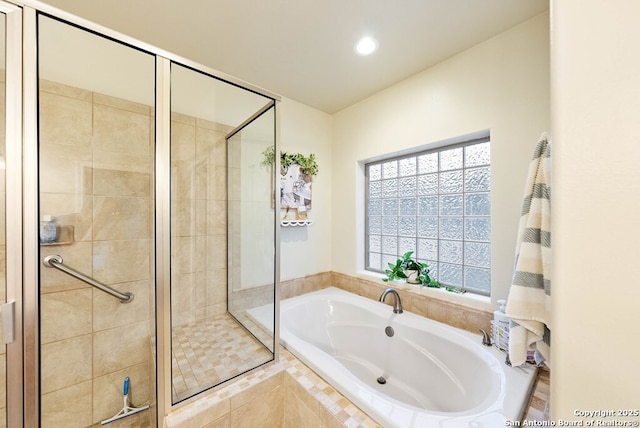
(414,298)
(436,373)
(286,394)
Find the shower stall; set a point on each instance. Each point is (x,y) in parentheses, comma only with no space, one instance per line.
(138,226)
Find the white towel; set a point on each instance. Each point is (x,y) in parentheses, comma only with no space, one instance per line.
(529,303)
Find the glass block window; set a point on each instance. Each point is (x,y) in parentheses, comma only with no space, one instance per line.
(436,203)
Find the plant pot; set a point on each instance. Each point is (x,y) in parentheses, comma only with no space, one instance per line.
(412,276)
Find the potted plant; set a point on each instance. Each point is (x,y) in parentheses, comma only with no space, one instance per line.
(308,164)
(412,268)
(411,271)
(395,271)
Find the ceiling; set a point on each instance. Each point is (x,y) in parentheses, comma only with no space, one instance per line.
(303,49)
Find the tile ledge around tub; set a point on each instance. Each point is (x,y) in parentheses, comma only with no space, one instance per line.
(469,300)
(209,405)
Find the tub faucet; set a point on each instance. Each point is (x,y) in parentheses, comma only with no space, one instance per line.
(397,304)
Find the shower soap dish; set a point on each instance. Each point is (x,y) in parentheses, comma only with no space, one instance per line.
(64,236)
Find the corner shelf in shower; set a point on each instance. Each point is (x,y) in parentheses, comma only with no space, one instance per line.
(295,223)
(64,236)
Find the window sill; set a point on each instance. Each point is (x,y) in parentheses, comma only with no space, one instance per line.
(470,300)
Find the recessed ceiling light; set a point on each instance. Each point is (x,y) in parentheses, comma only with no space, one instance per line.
(366,46)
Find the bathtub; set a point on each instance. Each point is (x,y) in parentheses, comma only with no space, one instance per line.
(426,374)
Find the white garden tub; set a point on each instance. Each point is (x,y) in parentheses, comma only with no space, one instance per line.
(434,375)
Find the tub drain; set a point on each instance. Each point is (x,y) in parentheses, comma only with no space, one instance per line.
(381,380)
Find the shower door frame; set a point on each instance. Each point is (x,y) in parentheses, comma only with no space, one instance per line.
(13,210)
(23,264)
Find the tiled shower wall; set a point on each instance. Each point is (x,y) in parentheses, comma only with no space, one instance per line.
(97,163)
(199,220)
(96,170)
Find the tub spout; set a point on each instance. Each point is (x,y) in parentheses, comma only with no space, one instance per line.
(397,304)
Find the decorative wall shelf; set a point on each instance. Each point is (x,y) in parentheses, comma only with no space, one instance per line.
(295,223)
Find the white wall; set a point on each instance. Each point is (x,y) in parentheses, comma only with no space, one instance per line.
(596,188)
(307,250)
(501,85)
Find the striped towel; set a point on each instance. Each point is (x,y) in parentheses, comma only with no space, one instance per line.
(529,303)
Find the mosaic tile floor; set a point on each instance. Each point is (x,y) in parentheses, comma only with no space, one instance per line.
(208,352)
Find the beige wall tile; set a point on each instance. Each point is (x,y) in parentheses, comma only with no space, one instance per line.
(207,411)
(265,411)
(223,422)
(328,419)
(297,414)
(216,286)
(201,217)
(121,218)
(256,392)
(216,217)
(120,347)
(183,142)
(217,183)
(217,251)
(107,391)
(56,411)
(183,118)
(108,312)
(116,130)
(201,180)
(65,169)
(65,363)
(77,256)
(213,144)
(67,314)
(119,182)
(201,253)
(65,90)
(183,180)
(296,389)
(183,217)
(123,161)
(65,120)
(121,261)
(121,104)
(183,254)
(70,210)
(200,286)
(183,299)
(416,301)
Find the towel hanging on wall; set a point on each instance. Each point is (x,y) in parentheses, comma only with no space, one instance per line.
(529,303)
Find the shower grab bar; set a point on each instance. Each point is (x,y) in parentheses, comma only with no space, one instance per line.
(55,261)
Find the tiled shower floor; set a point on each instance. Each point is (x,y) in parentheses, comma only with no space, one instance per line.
(207,352)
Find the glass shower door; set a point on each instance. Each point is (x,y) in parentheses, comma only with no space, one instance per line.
(252,227)
(211,342)
(96,208)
